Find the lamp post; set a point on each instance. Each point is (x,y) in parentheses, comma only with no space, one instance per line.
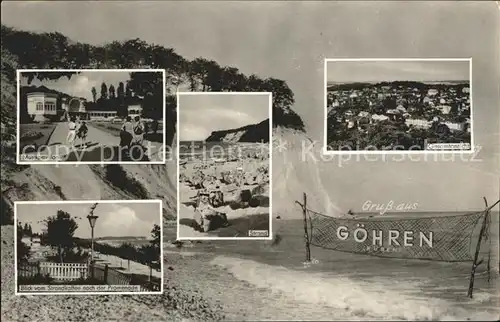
(92,219)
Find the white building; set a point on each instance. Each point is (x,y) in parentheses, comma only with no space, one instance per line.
(432,92)
(455,126)
(134,110)
(41,105)
(377,117)
(419,123)
(102,115)
(445,109)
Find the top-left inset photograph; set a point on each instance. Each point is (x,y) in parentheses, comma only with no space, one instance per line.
(91,116)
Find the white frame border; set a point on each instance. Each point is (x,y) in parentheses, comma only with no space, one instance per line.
(325,151)
(160,204)
(18,112)
(270,95)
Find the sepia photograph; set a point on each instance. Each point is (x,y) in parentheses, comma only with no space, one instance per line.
(91,116)
(224,155)
(398,105)
(87,247)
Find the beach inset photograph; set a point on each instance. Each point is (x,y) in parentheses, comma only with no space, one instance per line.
(84,247)
(91,116)
(224,160)
(394,105)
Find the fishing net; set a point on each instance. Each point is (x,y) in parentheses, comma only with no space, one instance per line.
(440,238)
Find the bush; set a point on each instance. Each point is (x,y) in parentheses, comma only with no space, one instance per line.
(38,279)
(119,178)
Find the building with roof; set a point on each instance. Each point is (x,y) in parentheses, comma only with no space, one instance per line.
(41,106)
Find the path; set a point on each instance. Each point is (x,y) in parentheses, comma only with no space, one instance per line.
(101,146)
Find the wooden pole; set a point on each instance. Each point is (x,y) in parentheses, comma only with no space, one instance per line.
(475,263)
(306,234)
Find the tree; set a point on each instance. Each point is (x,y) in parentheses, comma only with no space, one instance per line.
(112,93)
(60,231)
(104,91)
(121,90)
(94,94)
(23,251)
(283,97)
(128,90)
(148,85)
(156,235)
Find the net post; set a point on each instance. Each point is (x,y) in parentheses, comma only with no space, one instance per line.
(475,263)
(306,234)
(303,205)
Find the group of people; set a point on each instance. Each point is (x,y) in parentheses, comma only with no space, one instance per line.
(132,132)
(77,129)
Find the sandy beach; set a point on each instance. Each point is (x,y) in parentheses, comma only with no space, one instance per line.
(242,179)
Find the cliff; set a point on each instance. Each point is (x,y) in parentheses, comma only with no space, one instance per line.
(250,133)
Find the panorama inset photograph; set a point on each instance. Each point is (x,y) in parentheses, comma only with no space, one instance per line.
(398,105)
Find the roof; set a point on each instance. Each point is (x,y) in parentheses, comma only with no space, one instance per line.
(42,94)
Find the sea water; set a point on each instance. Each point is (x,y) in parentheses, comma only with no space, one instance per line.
(339,286)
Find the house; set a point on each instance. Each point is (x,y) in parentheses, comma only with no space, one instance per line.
(134,110)
(364,114)
(41,105)
(445,109)
(418,123)
(432,92)
(401,108)
(377,117)
(102,115)
(455,126)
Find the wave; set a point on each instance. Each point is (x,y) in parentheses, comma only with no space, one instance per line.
(361,300)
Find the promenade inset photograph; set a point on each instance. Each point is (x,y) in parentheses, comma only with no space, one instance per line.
(394,105)
(224,165)
(91,116)
(88,247)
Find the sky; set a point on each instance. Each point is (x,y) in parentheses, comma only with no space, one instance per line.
(200,115)
(376,71)
(115,219)
(80,85)
(290,41)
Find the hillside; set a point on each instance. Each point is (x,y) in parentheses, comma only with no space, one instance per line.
(24,50)
(249,133)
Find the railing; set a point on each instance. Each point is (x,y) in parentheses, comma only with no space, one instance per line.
(57,271)
(76,271)
(64,271)
(114,277)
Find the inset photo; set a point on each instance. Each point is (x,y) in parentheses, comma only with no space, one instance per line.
(91,116)
(224,165)
(398,106)
(88,247)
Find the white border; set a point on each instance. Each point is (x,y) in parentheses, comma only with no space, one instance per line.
(270,237)
(325,151)
(160,211)
(18,151)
